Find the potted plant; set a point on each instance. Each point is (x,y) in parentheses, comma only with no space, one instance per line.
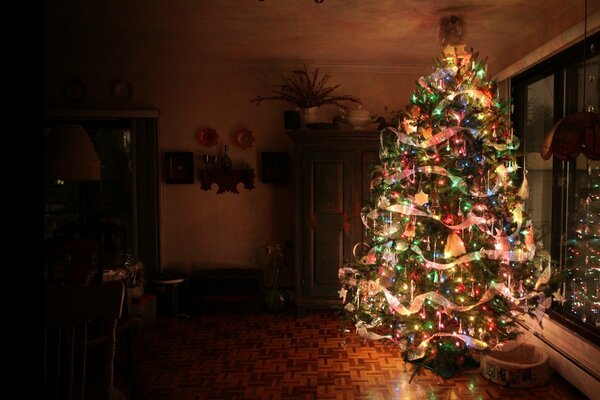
(307,91)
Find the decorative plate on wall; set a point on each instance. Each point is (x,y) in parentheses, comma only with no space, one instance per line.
(207,137)
(122,90)
(243,138)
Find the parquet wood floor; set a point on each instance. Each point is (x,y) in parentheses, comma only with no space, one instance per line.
(289,358)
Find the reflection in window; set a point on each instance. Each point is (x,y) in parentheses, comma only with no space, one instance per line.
(539,119)
(564,196)
(582,291)
(589,101)
(102,211)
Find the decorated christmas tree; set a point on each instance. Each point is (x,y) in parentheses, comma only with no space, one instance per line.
(452,261)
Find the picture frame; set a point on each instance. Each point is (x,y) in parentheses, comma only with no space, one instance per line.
(274,167)
(179,167)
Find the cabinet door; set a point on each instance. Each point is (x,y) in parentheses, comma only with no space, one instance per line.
(327,199)
(369,158)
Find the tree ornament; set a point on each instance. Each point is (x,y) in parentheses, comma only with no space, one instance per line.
(410,230)
(425,132)
(454,246)
(408,126)
(421,198)
(502,242)
(415,111)
(524,189)
(479,184)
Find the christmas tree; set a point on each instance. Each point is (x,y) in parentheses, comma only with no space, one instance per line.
(452,261)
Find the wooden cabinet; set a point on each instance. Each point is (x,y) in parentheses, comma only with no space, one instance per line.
(332,175)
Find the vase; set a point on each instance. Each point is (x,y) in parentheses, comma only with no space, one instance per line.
(311,115)
(225,159)
(358,119)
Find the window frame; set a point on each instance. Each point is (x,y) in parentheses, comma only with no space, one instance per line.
(564,68)
(144,128)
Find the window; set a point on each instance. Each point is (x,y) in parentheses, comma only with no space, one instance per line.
(105,206)
(120,210)
(564,196)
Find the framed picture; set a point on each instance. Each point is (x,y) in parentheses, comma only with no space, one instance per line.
(180,167)
(275,167)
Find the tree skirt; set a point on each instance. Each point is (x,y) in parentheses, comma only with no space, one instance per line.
(523,367)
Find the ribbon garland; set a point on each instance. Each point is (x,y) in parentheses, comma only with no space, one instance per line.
(442,267)
(507,255)
(417,304)
(412,210)
(478,94)
(436,139)
(418,301)
(407,173)
(437,298)
(362,328)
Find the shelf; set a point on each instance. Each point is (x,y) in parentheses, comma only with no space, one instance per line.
(226,179)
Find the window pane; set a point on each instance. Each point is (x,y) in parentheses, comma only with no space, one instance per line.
(101,211)
(592,85)
(583,244)
(539,119)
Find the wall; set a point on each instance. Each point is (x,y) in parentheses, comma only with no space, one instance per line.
(200,228)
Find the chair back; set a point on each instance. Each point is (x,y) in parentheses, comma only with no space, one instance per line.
(69,311)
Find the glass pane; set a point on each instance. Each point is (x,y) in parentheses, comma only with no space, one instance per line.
(101,210)
(581,290)
(592,85)
(539,119)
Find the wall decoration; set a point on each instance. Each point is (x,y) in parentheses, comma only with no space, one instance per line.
(179,167)
(243,138)
(207,137)
(122,90)
(274,167)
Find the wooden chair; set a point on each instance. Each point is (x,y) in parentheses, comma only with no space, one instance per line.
(70,309)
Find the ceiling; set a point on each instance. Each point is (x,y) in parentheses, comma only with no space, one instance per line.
(398,34)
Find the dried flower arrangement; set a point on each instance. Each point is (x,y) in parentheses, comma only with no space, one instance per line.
(307,90)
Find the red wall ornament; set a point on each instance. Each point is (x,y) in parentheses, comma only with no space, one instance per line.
(207,137)
(243,138)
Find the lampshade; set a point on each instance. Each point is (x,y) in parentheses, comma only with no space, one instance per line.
(69,155)
(576,132)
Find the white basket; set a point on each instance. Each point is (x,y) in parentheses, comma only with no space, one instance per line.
(523,367)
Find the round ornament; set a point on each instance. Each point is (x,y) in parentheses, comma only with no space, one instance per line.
(243,138)
(207,137)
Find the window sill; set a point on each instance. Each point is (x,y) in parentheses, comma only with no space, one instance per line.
(567,350)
